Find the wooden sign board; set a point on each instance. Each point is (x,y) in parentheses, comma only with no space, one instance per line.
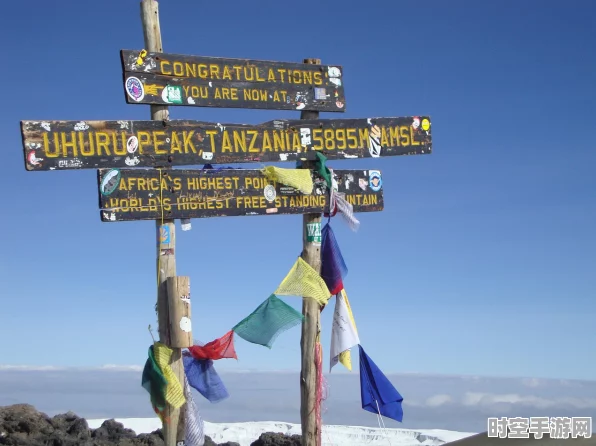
(197,81)
(140,194)
(61,145)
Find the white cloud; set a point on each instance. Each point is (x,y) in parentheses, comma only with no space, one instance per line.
(438,400)
(33,368)
(121,368)
(489,399)
(532,382)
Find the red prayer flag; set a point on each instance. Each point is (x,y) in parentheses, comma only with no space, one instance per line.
(217,349)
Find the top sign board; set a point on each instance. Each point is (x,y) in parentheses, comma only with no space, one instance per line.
(173,79)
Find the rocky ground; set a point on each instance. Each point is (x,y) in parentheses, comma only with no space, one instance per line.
(22,425)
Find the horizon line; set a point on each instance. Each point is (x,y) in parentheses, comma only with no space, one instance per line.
(138,368)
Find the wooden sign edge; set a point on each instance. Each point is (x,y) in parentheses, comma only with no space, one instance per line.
(219,58)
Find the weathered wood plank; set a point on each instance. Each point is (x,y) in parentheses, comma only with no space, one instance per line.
(198,81)
(62,145)
(138,194)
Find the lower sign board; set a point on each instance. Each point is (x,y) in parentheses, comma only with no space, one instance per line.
(62,145)
(149,194)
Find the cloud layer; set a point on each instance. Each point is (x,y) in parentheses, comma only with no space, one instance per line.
(430,401)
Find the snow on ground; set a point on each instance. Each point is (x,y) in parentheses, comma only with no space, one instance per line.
(246,433)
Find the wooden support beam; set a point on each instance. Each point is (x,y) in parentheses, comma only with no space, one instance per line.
(166,243)
(311,326)
(179,312)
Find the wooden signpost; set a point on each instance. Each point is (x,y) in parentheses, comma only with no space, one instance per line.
(174,79)
(118,149)
(140,194)
(62,145)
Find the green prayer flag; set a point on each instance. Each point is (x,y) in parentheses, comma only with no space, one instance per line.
(154,382)
(322,169)
(268,321)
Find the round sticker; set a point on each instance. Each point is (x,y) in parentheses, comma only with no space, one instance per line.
(374,179)
(110,182)
(134,89)
(425,124)
(270,193)
(132,144)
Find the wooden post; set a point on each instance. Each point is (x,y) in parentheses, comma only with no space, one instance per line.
(179,312)
(166,242)
(311,326)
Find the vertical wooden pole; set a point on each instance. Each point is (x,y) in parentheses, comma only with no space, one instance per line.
(311,326)
(166,255)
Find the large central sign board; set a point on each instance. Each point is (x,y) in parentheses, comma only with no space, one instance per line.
(175,79)
(143,194)
(62,145)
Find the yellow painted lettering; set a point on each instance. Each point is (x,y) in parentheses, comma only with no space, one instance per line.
(412,139)
(296,143)
(307,77)
(72,144)
(405,136)
(119,150)
(329,136)
(102,142)
(226,73)
(46,146)
(176,146)
(316,136)
(144,140)
(190,70)
(394,136)
(266,141)
(188,144)
(248,73)
(211,134)
(279,142)
(157,143)
(384,140)
(226,144)
(239,140)
(282,74)
(340,135)
(318,77)
(214,71)
(202,71)
(271,75)
(162,67)
(352,141)
(84,150)
(178,69)
(254,134)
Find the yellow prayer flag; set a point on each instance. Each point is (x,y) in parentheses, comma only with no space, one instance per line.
(345,359)
(303,280)
(297,178)
(174,393)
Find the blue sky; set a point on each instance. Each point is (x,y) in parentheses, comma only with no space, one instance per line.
(482,262)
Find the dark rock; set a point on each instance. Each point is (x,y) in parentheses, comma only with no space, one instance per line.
(22,425)
(271,439)
(111,430)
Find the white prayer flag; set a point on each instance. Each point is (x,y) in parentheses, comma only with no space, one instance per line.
(343,333)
